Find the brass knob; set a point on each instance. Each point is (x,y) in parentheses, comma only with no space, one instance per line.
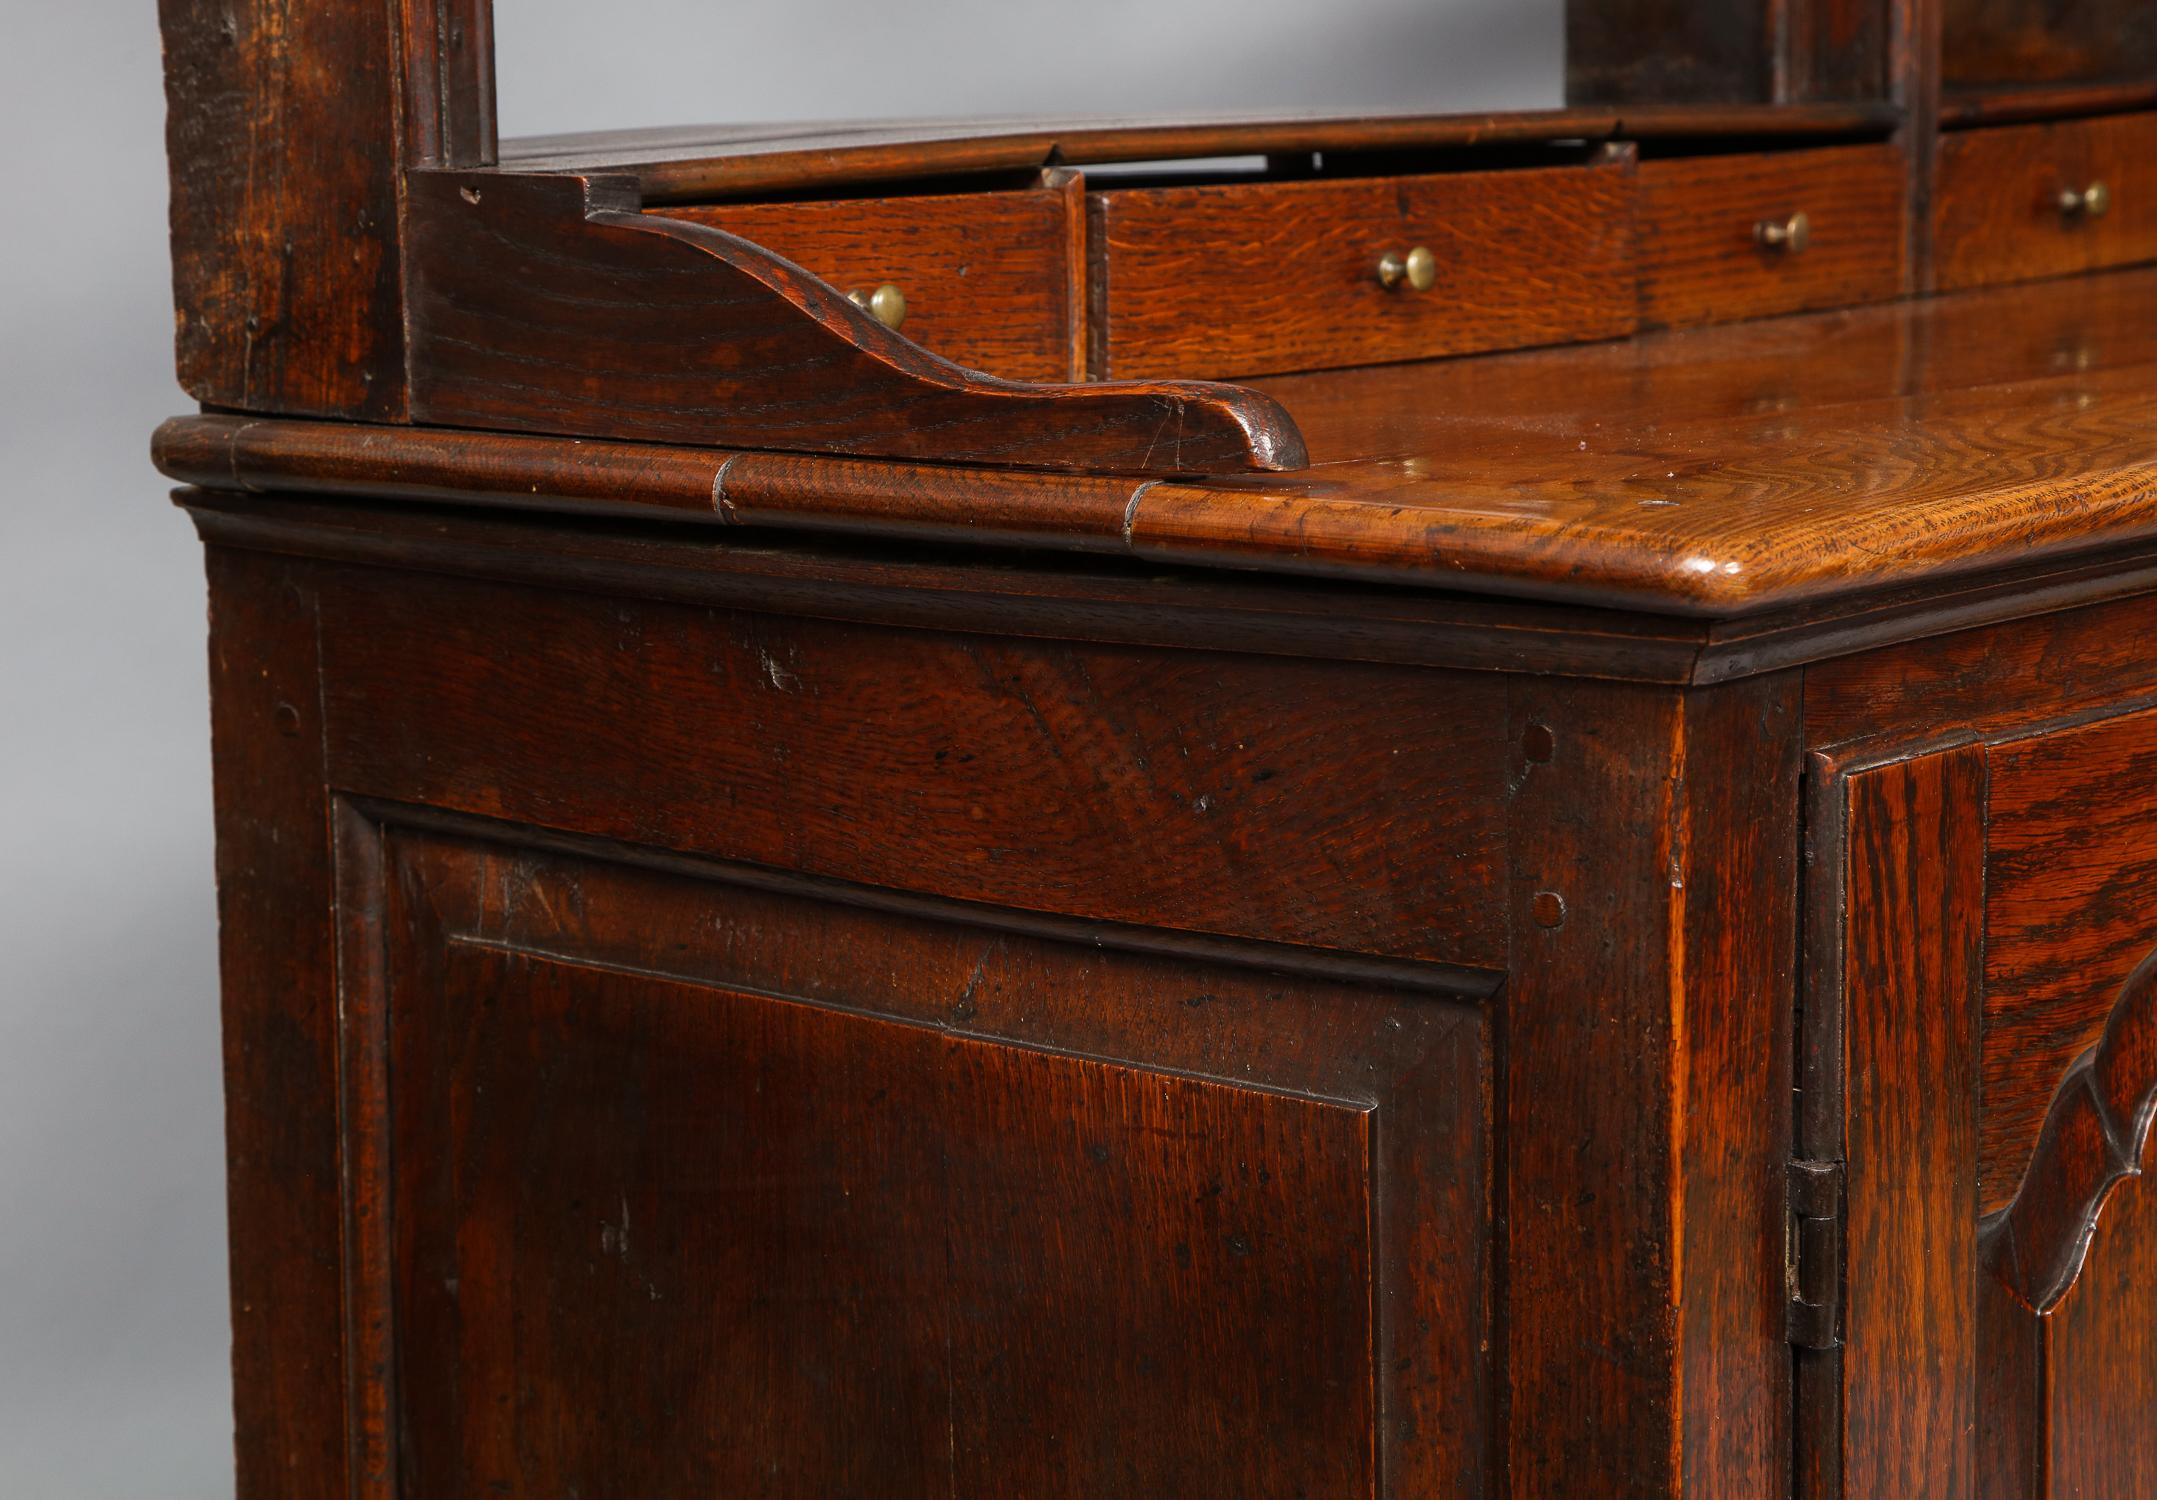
(887,304)
(1417,270)
(1790,235)
(2092,202)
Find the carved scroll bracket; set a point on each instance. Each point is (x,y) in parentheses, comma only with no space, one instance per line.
(543,303)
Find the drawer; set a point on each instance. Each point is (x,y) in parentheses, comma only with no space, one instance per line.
(1716,241)
(2000,213)
(1248,279)
(991,281)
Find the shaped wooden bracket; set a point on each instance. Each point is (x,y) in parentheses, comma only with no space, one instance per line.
(552,303)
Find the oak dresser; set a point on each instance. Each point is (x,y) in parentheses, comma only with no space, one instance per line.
(1451,806)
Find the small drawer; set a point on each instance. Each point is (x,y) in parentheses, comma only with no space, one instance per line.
(992,281)
(1724,237)
(2045,200)
(1252,279)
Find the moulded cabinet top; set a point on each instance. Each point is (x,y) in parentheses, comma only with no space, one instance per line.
(1714,472)
(1723,470)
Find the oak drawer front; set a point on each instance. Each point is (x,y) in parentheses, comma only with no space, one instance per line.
(2017,203)
(991,280)
(1222,281)
(1727,237)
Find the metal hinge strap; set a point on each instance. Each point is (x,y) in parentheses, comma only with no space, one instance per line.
(1816,1254)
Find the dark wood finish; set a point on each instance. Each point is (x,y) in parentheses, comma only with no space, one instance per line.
(1961,108)
(803,920)
(998,1071)
(2099,1361)
(2018,43)
(696,163)
(1243,280)
(1719,471)
(1701,256)
(1667,50)
(1637,818)
(958,748)
(285,234)
(708,339)
(993,281)
(284,1193)
(1794,52)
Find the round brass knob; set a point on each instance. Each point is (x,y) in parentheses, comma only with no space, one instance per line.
(1417,270)
(887,304)
(2092,202)
(1790,235)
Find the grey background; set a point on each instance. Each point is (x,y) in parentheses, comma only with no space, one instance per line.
(112,1294)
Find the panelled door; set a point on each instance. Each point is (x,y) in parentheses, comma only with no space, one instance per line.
(1980,1061)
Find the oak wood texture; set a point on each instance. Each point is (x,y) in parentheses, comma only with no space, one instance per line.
(1904,1407)
(2071,842)
(946,1328)
(1233,280)
(1997,212)
(747,972)
(967,1337)
(2100,1363)
(1103,599)
(1701,257)
(959,752)
(993,281)
(2093,1138)
(1637,821)
(694,163)
(1727,472)
(553,305)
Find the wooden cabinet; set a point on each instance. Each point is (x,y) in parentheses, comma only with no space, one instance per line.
(813,908)
(1980,1052)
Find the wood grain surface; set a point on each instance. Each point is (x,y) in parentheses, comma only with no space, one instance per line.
(1014,772)
(1912,973)
(1233,280)
(554,305)
(1701,260)
(285,236)
(2072,848)
(993,281)
(1713,472)
(1998,216)
(277,950)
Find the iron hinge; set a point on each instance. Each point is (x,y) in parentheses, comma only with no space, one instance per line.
(1816,1254)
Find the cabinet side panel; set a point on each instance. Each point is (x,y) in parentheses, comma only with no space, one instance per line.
(1323,804)
(704,1187)
(275,897)
(1737,993)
